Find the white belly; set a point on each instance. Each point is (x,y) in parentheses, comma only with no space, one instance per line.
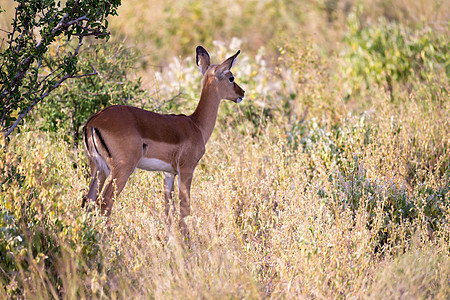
(153,164)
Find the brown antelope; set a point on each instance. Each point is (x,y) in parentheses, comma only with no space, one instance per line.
(121,138)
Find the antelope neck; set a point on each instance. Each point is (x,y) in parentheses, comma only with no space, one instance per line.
(205,114)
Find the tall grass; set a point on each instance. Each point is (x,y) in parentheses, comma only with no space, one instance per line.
(315,186)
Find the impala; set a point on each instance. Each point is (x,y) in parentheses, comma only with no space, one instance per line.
(121,138)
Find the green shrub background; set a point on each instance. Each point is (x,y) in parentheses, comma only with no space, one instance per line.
(330,180)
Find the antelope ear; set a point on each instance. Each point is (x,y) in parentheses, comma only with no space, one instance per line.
(227,64)
(202,59)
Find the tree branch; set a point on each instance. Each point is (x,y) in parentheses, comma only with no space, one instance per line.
(22,85)
(37,100)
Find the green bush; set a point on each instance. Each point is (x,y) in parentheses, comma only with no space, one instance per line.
(27,71)
(389,54)
(69,107)
(38,223)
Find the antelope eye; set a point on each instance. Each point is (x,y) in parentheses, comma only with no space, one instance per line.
(231,78)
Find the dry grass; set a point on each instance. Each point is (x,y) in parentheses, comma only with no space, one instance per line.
(267,221)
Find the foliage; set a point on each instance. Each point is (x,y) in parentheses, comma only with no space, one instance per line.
(38,224)
(71,105)
(385,53)
(27,73)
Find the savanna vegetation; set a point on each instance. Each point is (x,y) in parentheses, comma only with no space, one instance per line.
(330,180)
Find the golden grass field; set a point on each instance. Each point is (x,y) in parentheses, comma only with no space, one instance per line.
(325,182)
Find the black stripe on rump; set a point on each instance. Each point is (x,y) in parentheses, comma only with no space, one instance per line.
(85,138)
(97,132)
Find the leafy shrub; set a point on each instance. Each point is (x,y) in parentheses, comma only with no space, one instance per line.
(385,53)
(70,106)
(392,201)
(27,75)
(38,225)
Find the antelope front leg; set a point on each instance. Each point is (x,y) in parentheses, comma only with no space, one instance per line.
(185,180)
